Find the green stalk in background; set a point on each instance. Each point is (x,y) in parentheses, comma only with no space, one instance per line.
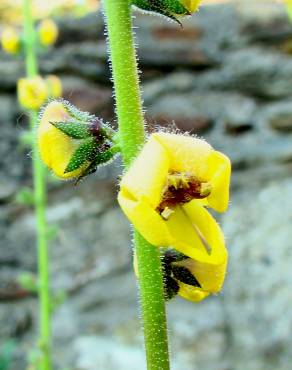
(131,136)
(39,199)
(289,8)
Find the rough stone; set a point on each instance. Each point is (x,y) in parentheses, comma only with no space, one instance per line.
(255,296)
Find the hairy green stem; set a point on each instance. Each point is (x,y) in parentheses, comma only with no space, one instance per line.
(39,200)
(131,138)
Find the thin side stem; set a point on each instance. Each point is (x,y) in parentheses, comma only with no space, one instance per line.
(39,200)
(131,136)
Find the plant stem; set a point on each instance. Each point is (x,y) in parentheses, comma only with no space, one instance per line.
(131,136)
(39,199)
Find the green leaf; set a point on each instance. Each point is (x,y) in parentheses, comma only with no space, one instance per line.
(74,129)
(85,152)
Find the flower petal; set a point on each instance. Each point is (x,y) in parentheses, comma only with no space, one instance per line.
(145,219)
(209,269)
(146,177)
(191,5)
(186,153)
(191,293)
(219,170)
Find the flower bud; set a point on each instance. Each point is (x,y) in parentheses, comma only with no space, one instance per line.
(73,143)
(169,8)
(32,92)
(10,40)
(48,32)
(54,86)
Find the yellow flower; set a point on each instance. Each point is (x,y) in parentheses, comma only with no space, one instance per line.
(191,5)
(10,40)
(164,195)
(56,148)
(48,32)
(54,86)
(32,92)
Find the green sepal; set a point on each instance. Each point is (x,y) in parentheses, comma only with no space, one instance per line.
(85,152)
(175,7)
(168,8)
(73,129)
(184,275)
(100,158)
(76,113)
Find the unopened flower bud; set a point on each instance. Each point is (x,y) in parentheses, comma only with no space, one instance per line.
(48,32)
(10,40)
(73,143)
(54,86)
(32,92)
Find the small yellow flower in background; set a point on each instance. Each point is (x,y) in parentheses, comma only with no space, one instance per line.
(48,32)
(32,92)
(56,148)
(10,40)
(164,195)
(54,86)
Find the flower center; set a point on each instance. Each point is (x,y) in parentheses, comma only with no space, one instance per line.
(181,188)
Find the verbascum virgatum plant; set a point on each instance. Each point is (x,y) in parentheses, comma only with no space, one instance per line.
(167,188)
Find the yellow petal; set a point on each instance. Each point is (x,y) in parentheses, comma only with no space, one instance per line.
(146,177)
(209,269)
(145,219)
(56,148)
(191,293)
(186,153)
(219,170)
(191,5)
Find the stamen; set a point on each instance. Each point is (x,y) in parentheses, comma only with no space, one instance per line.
(166,213)
(199,233)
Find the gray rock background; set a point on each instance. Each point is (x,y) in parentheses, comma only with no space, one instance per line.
(226,76)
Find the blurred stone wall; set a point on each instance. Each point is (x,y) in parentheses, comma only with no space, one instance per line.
(226,76)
